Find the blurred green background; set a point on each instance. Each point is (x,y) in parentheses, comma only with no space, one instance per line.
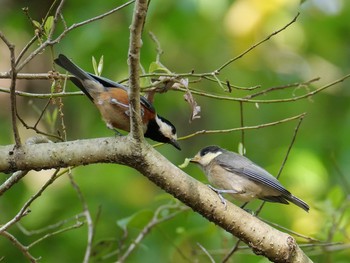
(198,35)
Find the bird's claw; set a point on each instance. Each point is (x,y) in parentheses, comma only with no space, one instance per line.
(222,199)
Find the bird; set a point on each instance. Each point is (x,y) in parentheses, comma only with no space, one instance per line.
(244,180)
(111,99)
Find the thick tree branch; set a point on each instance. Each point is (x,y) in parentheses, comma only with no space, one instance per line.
(58,155)
(263,239)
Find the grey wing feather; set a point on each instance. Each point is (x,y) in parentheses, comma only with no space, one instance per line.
(239,164)
(107,82)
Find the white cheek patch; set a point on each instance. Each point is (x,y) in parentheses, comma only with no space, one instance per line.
(165,129)
(206,159)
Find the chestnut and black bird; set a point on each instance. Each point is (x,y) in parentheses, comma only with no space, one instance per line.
(111,98)
(244,180)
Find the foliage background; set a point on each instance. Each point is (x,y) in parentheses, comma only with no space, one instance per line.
(197,35)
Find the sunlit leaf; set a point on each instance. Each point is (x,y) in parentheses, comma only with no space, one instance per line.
(94,65)
(241,149)
(100,66)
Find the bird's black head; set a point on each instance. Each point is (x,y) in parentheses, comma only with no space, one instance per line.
(162,130)
(210,149)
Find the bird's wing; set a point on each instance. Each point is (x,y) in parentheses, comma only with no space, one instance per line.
(238,164)
(107,82)
(111,84)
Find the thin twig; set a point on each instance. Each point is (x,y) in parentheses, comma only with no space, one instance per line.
(49,227)
(263,92)
(44,95)
(307,238)
(36,76)
(25,208)
(241,128)
(37,130)
(292,99)
(66,31)
(257,44)
(21,247)
(336,222)
(158,47)
(13,74)
(86,211)
(242,124)
(343,177)
(285,158)
(206,252)
(13,179)
(232,251)
(153,222)
(43,238)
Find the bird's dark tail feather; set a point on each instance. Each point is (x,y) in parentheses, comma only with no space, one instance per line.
(295,200)
(79,74)
(68,65)
(283,199)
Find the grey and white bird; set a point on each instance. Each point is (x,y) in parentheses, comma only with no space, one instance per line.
(244,180)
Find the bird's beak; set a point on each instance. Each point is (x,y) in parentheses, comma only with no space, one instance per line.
(194,159)
(174,143)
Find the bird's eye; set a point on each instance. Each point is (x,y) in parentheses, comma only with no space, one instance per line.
(203,152)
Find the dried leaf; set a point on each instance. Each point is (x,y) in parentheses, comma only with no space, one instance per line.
(191,101)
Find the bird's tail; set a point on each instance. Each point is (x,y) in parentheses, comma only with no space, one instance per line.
(68,65)
(295,200)
(79,74)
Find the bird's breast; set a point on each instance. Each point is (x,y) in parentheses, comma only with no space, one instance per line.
(114,108)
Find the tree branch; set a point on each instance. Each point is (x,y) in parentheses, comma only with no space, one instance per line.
(13,75)
(263,239)
(136,28)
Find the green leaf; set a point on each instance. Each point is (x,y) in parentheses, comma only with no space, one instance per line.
(100,66)
(241,149)
(94,65)
(97,67)
(156,67)
(48,25)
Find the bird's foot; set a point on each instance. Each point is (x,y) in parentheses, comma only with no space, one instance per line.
(218,191)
